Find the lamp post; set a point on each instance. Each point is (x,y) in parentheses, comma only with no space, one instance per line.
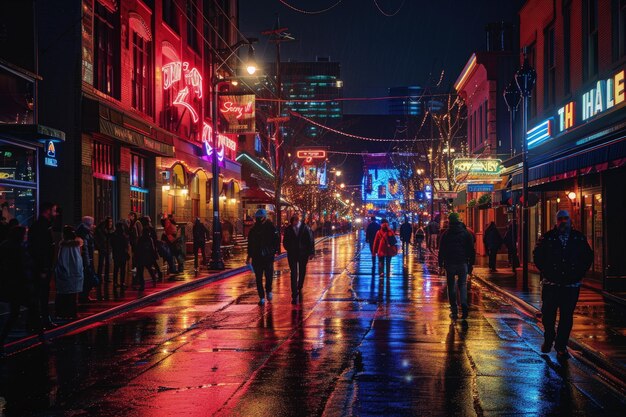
(512,98)
(525,79)
(217,262)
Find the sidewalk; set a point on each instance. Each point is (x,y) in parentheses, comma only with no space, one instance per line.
(599,332)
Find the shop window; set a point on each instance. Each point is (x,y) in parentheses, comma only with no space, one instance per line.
(192,24)
(195,197)
(549,55)
(382,191)
(590,39)
(139,201)
(142,74)
(106,51)
(170,14)
(104,176)
(18,203)
(17,163)
(102,161)
(137,171)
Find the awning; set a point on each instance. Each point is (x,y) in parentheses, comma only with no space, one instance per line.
(260,196)
(31,133)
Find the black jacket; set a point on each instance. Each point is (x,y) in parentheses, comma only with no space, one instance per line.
(492,238)
(406,230)
(301,245)
(15,273)
(41,243)
(563,265)
(370,232)
(200,233)
(84,232)
(456,246)
(120,246)
(262,240)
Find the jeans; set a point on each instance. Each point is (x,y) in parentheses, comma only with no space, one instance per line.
(382,261)
(564,299)
(119,268)
(405,247)
(261,266)
(492,252)
(200,246)
(297,266)
(104,262)
(452,271)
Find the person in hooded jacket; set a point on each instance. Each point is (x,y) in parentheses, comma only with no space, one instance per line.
(146,257)
(263,244)
(385,247)
(563,257)
(300,246)
(370,235)
(492,241)
(68,274)
(457,256)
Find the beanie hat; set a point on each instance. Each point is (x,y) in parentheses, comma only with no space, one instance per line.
(260,213)
(454,217)
(88,221)
(562,213)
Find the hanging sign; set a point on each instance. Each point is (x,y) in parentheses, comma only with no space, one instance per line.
(480,188)
(51,155)
(237,114)
(310,154)
(471,170)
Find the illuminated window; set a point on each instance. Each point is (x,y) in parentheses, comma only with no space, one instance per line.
(142,75)
(103,180)
(137,171)
(106,41)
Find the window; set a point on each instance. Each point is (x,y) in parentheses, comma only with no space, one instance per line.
(170,15)
(382,191)
(549,56)
(142,75)
(106,51)
(590,39)
(192,24)
(138,192)
(137,171)
(102,160)
(567,44)
(103,180)
(531,52)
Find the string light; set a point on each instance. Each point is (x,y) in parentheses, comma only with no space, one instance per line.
(413,98)
(385,13)
(308,11)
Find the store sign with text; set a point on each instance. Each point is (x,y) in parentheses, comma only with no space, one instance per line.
(472,170)
(50,159)
(224,142)
(236,112)
(592,104)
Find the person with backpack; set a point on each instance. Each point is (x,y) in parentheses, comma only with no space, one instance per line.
(262,247)
(385,246)
(457,256)
(300,247)
(492,241)
(406,232)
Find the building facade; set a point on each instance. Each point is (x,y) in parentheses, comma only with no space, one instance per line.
(577,124)
(131,83)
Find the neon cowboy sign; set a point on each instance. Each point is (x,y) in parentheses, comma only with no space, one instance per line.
(174,72)
(605,95)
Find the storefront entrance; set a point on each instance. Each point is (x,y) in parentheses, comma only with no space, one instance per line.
(592,225)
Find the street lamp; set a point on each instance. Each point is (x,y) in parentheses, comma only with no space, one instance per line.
(512,98)
(217,262)
(525,79)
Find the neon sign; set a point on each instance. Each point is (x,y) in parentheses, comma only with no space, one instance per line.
(223,142)
(539,133)
(230,107)
(310,154)
(605,95)
(172,73)
(467,169)
(51,154)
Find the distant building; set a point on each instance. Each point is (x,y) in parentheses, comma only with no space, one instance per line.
(381,185)
(406,101)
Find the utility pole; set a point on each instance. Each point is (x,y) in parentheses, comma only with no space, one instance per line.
(277,35)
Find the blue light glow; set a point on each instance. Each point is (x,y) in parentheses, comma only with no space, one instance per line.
(539,133)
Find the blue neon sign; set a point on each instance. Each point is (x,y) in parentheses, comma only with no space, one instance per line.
(539,133)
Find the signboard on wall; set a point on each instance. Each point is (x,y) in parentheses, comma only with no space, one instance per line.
(236,113)
(472,170)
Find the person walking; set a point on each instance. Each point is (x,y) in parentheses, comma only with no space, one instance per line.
(262,246)
(90,279)
(200,236)
(510,241)
(492,241)
(370,235)
(146,257)
(41,250)
(120,248)
(68,274)
(385,246)
(406,231)
(563,257)
(175,242)
(134,233)
(16,280)
(433,234)
(102,240)
(419,239)
(457,256)
(300,246)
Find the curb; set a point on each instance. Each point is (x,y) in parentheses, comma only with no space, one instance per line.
(613,372)
(36,340)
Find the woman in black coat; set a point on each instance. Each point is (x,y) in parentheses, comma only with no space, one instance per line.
(492,241)
(146,257)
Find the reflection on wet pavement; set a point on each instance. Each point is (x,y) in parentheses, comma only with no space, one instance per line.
(357,345)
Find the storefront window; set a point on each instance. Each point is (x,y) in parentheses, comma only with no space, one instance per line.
(103,181)
(17,101)
(138,192)
(18,203)
(17,163)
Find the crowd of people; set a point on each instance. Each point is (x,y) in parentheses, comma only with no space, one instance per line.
(80,262)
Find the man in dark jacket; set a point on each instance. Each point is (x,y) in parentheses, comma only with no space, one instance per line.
(563,257)
(200,235)
(41,249)
(300,247)
(262,246)
(370,235)
(492,241)
(432,230)
(86,233)
(457,256)
(406,230)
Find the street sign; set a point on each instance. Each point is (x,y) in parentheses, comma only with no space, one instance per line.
(480,188)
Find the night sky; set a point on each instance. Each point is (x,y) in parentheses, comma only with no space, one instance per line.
(377,52)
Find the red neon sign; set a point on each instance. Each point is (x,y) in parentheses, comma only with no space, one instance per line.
(311,154)
(239,111)
(173,72)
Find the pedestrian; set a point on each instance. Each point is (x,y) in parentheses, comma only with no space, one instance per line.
(419,239)
(432,229)
(300,246)
(510,241)
(174,241)
(563,257)
(385,246)
(262,247)
(146,223)
(41,250)
(146,257)
(16,280)
(370,235)
(492,241)
(457,256)
(68,274)
(406,230)
(134,233)
(90,278)
(120,246)
(102,239)
(200,236)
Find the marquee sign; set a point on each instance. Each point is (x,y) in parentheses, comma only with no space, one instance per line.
(237,114)
(472,170)
(310,154)
(595,102)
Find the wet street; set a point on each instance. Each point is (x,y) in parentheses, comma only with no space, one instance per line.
(357,345)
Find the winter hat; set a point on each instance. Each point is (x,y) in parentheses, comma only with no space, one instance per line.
(88,221)
(562,213)
(454,217)
(260,213)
